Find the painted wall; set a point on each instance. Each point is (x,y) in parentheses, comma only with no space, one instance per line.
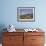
(8,13)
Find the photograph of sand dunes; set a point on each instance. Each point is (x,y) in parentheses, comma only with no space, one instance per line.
(26,14)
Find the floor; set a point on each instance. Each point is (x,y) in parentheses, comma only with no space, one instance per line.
(0,44)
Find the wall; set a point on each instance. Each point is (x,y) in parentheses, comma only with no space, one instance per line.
(9,13)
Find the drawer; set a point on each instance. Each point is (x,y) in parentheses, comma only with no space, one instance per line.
(12,39)
(37,39)
(34,33)
(34,39)
(21,44)
(37,44)
(15,41)
(8,45)
(13,33)
(27,41)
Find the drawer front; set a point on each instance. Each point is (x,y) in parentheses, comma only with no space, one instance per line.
(13,33)
(27,41)
(5,39)
(12,44)
(34,33)
(8,44)
(37,39)
(37,44)
(12,39)
(33,39)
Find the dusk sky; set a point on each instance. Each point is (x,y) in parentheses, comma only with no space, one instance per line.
(26,11)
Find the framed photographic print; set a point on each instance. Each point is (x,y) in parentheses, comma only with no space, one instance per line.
(26,14)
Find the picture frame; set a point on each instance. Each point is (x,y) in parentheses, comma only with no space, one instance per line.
(26,14)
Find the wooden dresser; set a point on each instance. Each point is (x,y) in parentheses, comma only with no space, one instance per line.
(23,39)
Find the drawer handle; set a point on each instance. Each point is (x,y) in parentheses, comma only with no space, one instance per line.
(11,38)
(33,39)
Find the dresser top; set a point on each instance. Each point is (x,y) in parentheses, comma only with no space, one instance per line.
(22,30)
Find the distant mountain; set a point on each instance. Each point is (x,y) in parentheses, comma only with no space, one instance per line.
(26,16)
